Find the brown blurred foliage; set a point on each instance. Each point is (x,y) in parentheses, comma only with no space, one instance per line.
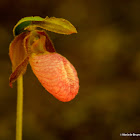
(106,54)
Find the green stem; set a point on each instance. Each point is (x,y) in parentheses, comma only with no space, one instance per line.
(19,108)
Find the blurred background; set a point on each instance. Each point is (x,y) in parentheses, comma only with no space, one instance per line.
(106,54)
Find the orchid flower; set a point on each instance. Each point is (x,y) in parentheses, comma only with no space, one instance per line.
(33,46)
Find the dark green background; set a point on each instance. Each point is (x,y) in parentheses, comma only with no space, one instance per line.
(106,54)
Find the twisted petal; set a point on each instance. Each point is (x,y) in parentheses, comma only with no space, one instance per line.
(17,51)
(48,43)
(19,57)
(56,74)
(21,68)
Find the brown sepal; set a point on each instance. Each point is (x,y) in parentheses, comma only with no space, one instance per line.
(21,69)
(48,44)
(17,51)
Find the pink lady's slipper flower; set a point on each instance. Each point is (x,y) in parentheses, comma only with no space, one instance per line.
(32,45)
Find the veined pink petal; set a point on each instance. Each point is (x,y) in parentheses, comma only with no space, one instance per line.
(56,74)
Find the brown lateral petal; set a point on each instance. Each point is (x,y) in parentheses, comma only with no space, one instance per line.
(17,50)
(48,43)
(21,69)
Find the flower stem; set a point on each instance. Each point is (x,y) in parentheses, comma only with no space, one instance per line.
(19,108)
